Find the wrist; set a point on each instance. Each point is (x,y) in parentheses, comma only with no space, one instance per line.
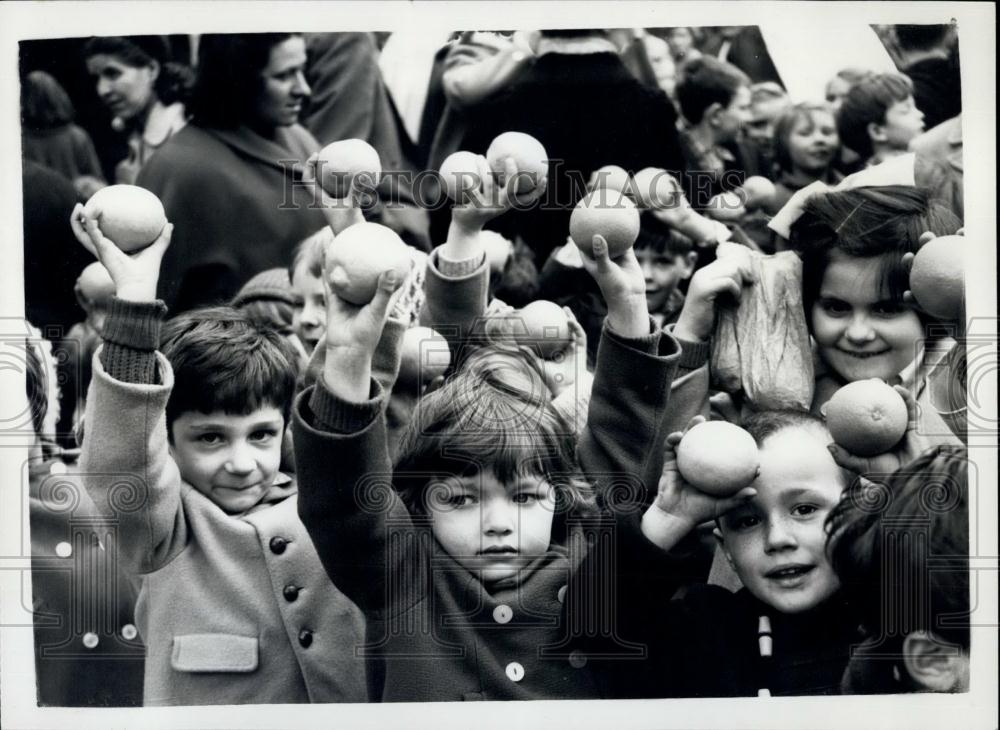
(689,329)
(347,374)
(665,529)
(139,292)
(629,317)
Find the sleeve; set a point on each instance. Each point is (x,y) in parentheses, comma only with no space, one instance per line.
(690,390)
(346,498)
(624,431)
(125,464)
(456,298)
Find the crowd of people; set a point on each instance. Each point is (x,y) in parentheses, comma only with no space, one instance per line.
(243,490)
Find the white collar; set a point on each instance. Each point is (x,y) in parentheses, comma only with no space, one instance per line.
(575,46)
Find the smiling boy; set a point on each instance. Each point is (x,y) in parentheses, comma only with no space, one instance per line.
(184,445)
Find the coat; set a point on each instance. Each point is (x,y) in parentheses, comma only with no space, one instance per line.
(233,609)
(434,633)
(236,207)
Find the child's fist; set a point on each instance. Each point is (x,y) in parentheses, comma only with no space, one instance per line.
(724,277)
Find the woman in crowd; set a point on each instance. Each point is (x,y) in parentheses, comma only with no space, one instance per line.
(230,180)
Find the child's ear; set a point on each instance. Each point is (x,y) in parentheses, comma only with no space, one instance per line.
(876,132)
(722,545)
(154,70)
(712,113)
(934,664)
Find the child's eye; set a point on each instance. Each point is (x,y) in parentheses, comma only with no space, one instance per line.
(888,309)
(525,498)
(835,307)
(264,434)
(459,500)
(804,510)
(745,522)
(210,439)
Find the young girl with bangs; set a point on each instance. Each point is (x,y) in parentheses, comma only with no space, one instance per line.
(852,243)
(465,556)
(805,147)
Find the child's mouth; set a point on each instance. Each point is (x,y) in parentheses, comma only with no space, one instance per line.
(862,355)
(789,576)
(498,550)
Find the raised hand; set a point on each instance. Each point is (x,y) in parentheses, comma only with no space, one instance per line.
(135,275)
(623,286)
(726,276)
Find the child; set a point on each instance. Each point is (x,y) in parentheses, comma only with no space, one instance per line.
(714,98)
(805,147)
(82,657)
(878,118)
(916,613)
(852,244)
(667,259)
(841,83)
(768,101)
(787,632)
(234,606)
(305,274)
(477,555)
(267,299)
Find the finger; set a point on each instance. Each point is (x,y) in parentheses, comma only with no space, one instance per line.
(925,237)
(102,246)
(911,406)
(160,245)
(76,221)
(486,181)
(730,286)
(697,420)
(730,503)
(847,460)
(674,438)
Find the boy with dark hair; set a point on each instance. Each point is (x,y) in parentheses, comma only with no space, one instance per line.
(913,603)
(714,99)
(878,117)
(667,259)
(184,447)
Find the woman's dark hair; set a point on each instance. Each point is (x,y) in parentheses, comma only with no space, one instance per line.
(44,103)
(866,223)
(229,76)
(785,124)
(175,79)
(494,415)
(900,548)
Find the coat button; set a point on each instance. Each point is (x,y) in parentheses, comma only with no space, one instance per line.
(64,550)
(290,593)
(561,595)
(577,659)
(278,545)
(90,640)
(305,638)
(129,632)
(503,613)
(515,672)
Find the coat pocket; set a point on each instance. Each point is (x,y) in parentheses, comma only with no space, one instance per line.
(214,653)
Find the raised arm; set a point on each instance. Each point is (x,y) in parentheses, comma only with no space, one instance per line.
(125,463)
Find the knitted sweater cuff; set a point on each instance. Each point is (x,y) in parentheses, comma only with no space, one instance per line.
(131,335)
(455,269)
(648,344)
(693,354)
(337,415)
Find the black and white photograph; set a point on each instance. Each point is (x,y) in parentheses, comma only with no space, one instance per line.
(614,364)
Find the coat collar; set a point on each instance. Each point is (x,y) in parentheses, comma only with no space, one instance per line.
(290,143)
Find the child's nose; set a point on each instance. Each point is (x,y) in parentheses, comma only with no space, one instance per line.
(498,519)
(241,460)
(778,536)
(860,330)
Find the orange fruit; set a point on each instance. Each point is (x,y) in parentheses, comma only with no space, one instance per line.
(937,278)
(545,328)
(129,216)
(718,458)
(95,283)
(358,255)
(460,174)
(611,177)
(424,355)
(726,207)
(529,156)
(607,213)
(866,417)
(656,188)
(341,162)
(759,192)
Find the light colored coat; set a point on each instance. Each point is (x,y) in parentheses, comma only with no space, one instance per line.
(216,607)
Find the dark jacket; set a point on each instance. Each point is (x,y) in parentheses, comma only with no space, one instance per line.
(588,111)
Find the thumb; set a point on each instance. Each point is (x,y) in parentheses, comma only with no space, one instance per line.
(600,250)
(847,460)
(388,283)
